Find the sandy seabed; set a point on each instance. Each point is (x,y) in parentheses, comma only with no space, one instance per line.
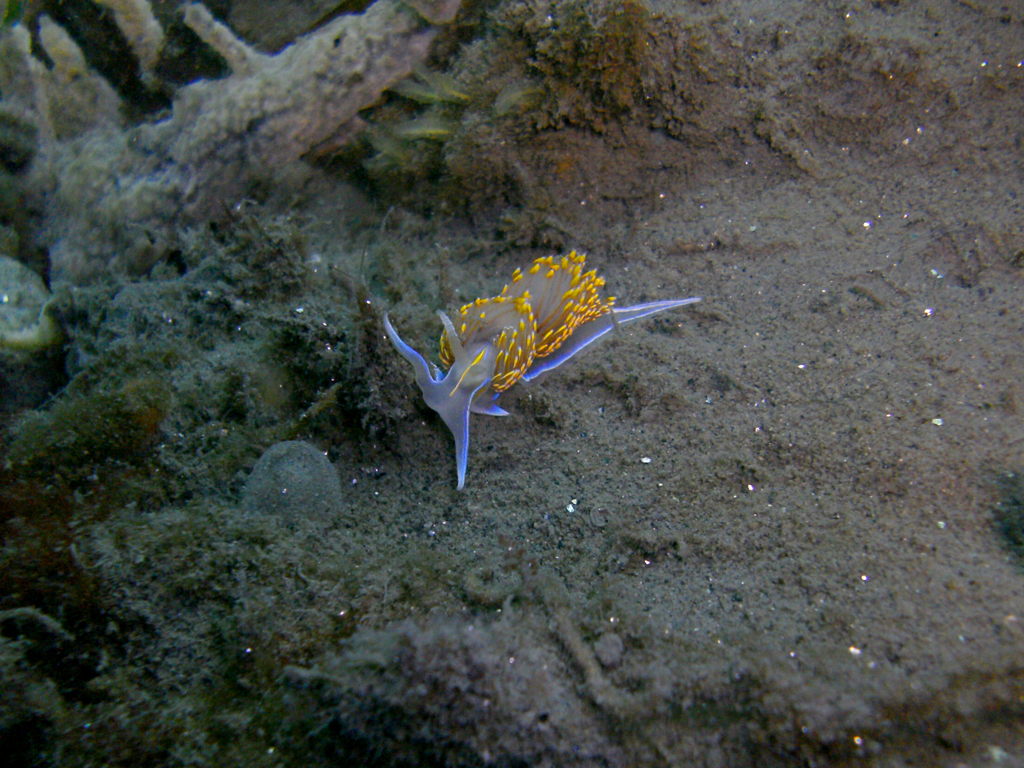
(781,527)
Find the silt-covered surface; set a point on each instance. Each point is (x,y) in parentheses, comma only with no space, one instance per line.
(784,526)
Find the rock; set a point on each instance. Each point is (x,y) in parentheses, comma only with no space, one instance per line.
(25,323)
(608,650)
(296,483)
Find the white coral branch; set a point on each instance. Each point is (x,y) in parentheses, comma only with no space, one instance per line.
(243,59)
(76,97)
(125,192)
(278,108)
(140,27)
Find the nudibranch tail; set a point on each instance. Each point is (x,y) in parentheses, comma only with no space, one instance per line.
(545,317)
(597,329)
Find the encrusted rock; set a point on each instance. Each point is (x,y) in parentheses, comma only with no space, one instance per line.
(295,482)
(25,323)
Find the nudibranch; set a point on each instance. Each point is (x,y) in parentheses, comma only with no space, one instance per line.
(546,316)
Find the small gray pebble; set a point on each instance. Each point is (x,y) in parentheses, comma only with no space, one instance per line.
(609,650)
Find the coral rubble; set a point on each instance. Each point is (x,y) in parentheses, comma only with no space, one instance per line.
(114,193)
